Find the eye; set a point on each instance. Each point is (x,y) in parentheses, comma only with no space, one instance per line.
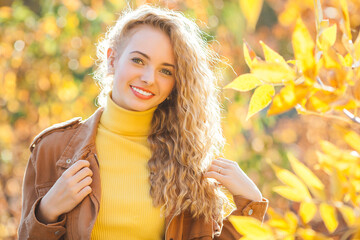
(137,60)
(166,71)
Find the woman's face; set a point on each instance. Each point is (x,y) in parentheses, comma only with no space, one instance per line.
(144,73)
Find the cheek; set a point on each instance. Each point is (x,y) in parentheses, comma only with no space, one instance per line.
(166,88)
(121,77)
(171,86)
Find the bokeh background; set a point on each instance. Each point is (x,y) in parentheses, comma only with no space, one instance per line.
(47,55)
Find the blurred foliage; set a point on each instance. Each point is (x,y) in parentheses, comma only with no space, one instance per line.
(47,55)
(323,80)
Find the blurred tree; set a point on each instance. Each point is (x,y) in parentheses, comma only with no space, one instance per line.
(47,55)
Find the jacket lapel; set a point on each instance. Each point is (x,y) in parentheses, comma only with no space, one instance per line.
(174,227)
(82,146)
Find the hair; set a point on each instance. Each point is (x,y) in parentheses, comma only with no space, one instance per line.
(186,132)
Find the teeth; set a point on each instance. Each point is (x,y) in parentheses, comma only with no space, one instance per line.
(141,91)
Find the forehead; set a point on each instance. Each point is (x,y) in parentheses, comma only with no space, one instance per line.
(152,41)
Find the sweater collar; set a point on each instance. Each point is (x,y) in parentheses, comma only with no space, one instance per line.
(126,122)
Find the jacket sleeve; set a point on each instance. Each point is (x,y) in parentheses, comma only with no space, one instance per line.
(244,207)
(30,227)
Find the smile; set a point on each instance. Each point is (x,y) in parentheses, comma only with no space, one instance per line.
(142,92)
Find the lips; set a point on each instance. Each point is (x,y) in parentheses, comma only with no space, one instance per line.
(141,92)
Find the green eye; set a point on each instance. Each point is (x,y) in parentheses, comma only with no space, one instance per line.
(137,60)
(167,72)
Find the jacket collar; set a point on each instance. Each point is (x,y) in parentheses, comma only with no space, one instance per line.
(83,139)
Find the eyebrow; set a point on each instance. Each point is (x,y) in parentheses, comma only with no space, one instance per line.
(146,56)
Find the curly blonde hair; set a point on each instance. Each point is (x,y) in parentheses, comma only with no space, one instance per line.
(186,132)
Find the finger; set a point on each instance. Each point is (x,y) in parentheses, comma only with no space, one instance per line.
(214,168)
(214,175)
(225,163)
(83,183)
(218,169)
(83,173)
(76,167)
(84,192)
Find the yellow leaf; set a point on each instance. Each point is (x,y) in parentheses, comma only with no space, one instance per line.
(307,211)
(328,162)
(348,60)
(244,82)
(249,54)
(348,214)
(273,214)
(345,13)
(338,184)
(309,234)
(251,227)
(290,193)
(357,171)
(350,104)
(290,179)
(341,60)
(287,177)
(260,99)
(353,194)
(321,101)
(292,220)
(272,56)
(278,223)
(356,184)
(353,139)
(251,10)
(328,215)
(273,72)
(337,153)
(292,61)
(327,37)
(289,238)
(305,173)
(290,13)
(303,46)
(285,224)
(357,48)
(330,59)
(319,194)
(356,90)
(287,98)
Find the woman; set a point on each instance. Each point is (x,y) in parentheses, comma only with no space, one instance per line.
(153,143)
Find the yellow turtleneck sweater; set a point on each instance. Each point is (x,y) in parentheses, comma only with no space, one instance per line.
(126,210)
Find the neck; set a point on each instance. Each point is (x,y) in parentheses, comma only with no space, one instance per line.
(126,122)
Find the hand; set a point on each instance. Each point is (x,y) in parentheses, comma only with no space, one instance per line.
(67,192)
(232,177)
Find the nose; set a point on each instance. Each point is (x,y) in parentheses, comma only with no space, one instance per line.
(148,76)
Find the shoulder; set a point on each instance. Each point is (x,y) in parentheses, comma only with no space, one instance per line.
(55,131)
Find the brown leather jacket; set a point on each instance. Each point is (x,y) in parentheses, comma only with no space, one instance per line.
(56,149)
